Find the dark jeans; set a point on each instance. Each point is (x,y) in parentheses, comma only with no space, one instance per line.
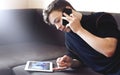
(116,73)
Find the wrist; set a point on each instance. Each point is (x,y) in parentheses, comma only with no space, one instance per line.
(80,31)
(75,63)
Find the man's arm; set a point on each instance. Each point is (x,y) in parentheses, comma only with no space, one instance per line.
(105,46)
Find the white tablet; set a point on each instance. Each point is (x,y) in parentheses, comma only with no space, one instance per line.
(39,66)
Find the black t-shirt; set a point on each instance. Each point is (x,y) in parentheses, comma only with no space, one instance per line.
(102,25)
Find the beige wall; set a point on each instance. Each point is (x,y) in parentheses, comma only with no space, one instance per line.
(94,5)
(36,3)
(81,5)
(23,4)
(39,3)
(13,4)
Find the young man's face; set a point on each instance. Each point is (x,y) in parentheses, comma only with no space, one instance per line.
(55,19)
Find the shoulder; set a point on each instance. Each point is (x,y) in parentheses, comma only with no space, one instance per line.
(101,18)
(95,17)
(107,26)
(101,15)
(106,18)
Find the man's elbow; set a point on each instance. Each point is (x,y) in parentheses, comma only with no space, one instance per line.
(110,47)
(109,53)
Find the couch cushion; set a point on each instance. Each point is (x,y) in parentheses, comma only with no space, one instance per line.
(4,70)
(12,55)
(117,18)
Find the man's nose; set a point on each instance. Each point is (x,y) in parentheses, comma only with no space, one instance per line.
(58,27)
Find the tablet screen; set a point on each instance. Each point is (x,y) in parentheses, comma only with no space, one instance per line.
(39,66)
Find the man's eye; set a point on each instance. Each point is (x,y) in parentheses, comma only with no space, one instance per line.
(57,21)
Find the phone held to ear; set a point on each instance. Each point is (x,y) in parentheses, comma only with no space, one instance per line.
(67,11)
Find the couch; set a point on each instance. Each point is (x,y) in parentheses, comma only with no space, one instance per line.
(25,37)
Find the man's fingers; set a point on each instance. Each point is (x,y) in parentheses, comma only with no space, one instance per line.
(67,17)
(59,68)
(68,25)
(58,59)
(61,59)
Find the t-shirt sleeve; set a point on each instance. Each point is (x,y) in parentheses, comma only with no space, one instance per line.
(107,26)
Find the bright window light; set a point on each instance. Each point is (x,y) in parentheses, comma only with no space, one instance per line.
(97,5)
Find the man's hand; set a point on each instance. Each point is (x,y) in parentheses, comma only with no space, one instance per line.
(63,63)
(74,21)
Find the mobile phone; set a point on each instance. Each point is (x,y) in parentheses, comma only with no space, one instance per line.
(67,11)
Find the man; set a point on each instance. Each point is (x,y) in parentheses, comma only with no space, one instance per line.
(92,39)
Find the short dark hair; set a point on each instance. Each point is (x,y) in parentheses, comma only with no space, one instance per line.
(55,5)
